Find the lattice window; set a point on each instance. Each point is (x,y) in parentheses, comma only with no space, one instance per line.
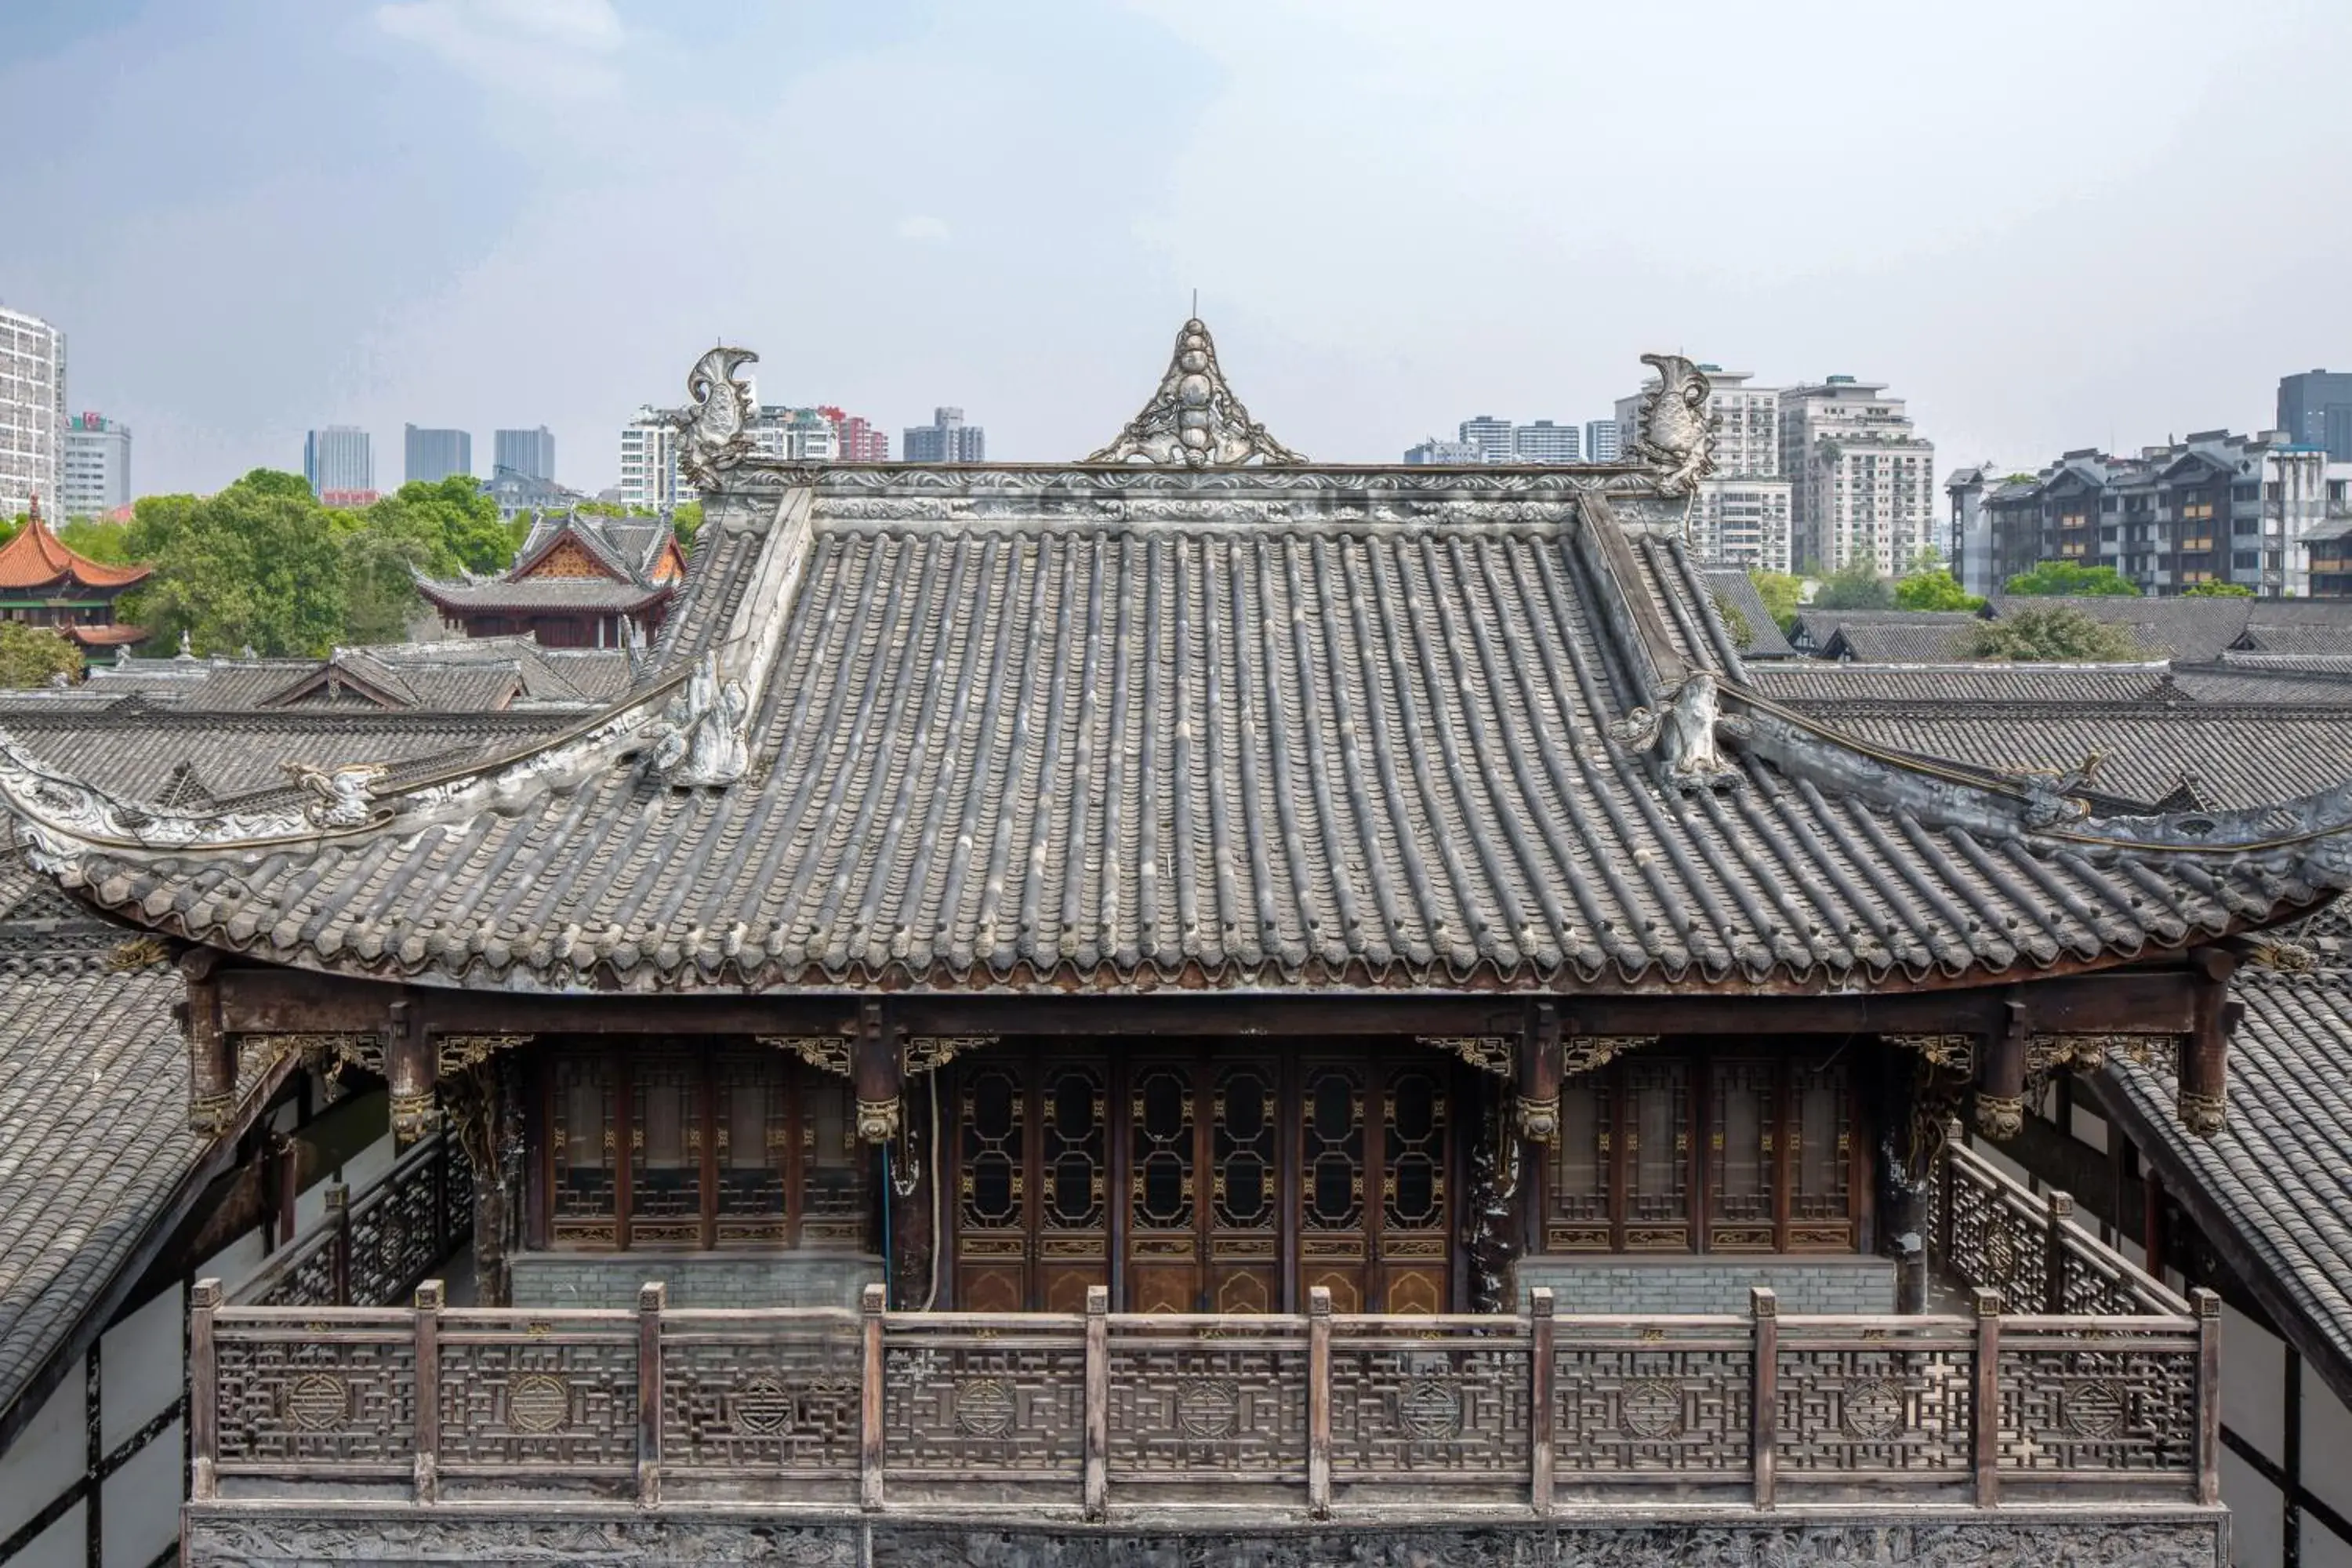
(752,1132)
(993,1180)
(664,1151)
(1741,1156)
(1657,1154)
(582,1120)
(1245,1176)
(1332,1112)
(1820,1157)
(1413,1193)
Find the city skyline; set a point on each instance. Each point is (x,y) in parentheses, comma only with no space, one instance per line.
(224,294)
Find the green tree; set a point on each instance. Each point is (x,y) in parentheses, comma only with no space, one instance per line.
(1735,622)
(260,563)
(1934,590)
(2218,591)
(107,541)
(2073,580)
(1781,595)
(1856,588)
(685,522)
(30,655)
(2050,633)
(457,521)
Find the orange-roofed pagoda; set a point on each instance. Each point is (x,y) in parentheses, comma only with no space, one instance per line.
(46,584)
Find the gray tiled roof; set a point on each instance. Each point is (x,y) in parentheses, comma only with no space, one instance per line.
(546,594)
(2277,1178)
(1093,741)
(1738,589)
(2190,631)
(1818,685)
(94,1140)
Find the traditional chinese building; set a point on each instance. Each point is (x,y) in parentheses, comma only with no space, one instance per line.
(45,584)
(581,580)
(1197,993)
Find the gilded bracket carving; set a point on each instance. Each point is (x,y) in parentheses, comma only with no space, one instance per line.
(458,1052)
(878,1121)
(1496,1053)
(1583,1053)
(1958,1052)
(257,1053)
(826,1053)
(929,1053)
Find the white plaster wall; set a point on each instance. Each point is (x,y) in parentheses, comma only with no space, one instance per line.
(235,1264)
(2089,1129)
(2255,1516)
(2322,1547)
(2326,1445)
(45,1459)
(62,1545)
(143,1504)
(2254,1383)
(140,1367)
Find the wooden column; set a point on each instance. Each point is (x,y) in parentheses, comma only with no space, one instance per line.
(1542,1369)
(411,1071)
(2056,1218)
(1984,1404)
(212,1054)
(1764,1392)
(1097,1485)
(1539,1074)
(204,1392)
(2205,1050)
(427,1321)
(2208,1307)
(1318,1402)
(878,1071)
(652,1297)
(339,1214)
(870,1406)
(2001,1082)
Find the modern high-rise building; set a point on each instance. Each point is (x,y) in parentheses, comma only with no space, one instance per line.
(649,475)
(1490,436)
(1545,442)
(1432,450)
(431,455)
(338,460)
(946,439)
(1863,481)
(97,476)
(1602,441)
(32,410)
(1744,513)
(2314,409)
(650,450)
(860,441)
(531,453)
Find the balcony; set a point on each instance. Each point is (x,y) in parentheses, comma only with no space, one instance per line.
(2071,1379)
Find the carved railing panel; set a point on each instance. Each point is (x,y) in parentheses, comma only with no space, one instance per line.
(1232,1404)
(377,1245)
(2096,1401)
(338,1394)
(1669,1399)
(1001,1397)
(1994,1235)
(534,1391)
(1430,1404)
(738,1397)
(1894,1406)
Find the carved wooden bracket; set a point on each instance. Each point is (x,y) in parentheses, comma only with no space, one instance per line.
(826,1053)
(929,1053)
(458,1052)
(1496,1053)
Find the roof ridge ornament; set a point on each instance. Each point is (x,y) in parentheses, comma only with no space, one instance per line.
(716,427)
(1676,434)
(1194,420)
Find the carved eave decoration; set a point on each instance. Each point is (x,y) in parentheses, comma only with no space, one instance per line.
(1496,1053)
(455,1054)
(1194,421)
(1588,1053)
(826,1053)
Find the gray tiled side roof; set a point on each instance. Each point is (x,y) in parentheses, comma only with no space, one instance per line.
(1821,685)
(2190,631)
(1921,639)
(2218,684)
(2278,1177)
(1738,590)
(545,594)
(1032,753)
(94,1141)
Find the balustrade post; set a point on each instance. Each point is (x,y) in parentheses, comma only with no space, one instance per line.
(441,1194)
(1984,1404)
(2208,1307)
(203,1393)
(2059,1218)
(1764,1391)
(339,1211)
(1542,1368)
(1318,1402)
(1947,1179)
(652,1297)
(869,1417)
(426,1356)
(1097,1485)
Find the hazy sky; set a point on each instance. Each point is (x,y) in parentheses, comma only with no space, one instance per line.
(2057,223)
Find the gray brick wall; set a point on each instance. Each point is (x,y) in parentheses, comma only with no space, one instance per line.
(1618,1284)
(611,1280)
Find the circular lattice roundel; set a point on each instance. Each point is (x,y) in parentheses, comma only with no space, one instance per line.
(984,1407)
(762,1408)
(1999,1255)
(1208,1407)
(1874,1408)
(1651,1408)
(1431,1409)
(2094,1410)
(538,1402)
(318,1401)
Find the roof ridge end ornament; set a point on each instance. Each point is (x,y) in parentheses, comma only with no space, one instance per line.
(1675,433)
(1194,420)
(1687,731)
(700,742)
(714,428)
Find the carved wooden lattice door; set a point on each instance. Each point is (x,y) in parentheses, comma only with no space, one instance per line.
(1032,1228)
(1383,1247)
(1203,1184)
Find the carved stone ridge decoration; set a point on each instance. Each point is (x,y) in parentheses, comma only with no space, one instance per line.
(716,425)
(826,1053)
(318,1402)
(984,1407)
(1496,1053)
(1583,1053)
(1194,420)
(1651,1407)
(538,1403)
(929,1053)
(2203,1115)
(700,742)
(1958,1052)
(1686,732)
(1208,1407)
(1676,431)
(339,796)
(457,1053)
(878,1121)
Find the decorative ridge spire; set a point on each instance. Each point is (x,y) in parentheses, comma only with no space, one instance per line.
(1194,420)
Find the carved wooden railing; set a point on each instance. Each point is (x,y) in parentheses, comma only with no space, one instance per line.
(1995,1234)
(1070,1413)
(373,1250)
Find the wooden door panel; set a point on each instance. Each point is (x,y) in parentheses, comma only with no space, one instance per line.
(1163,1186)
(1072,1211)
(1334,1233)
